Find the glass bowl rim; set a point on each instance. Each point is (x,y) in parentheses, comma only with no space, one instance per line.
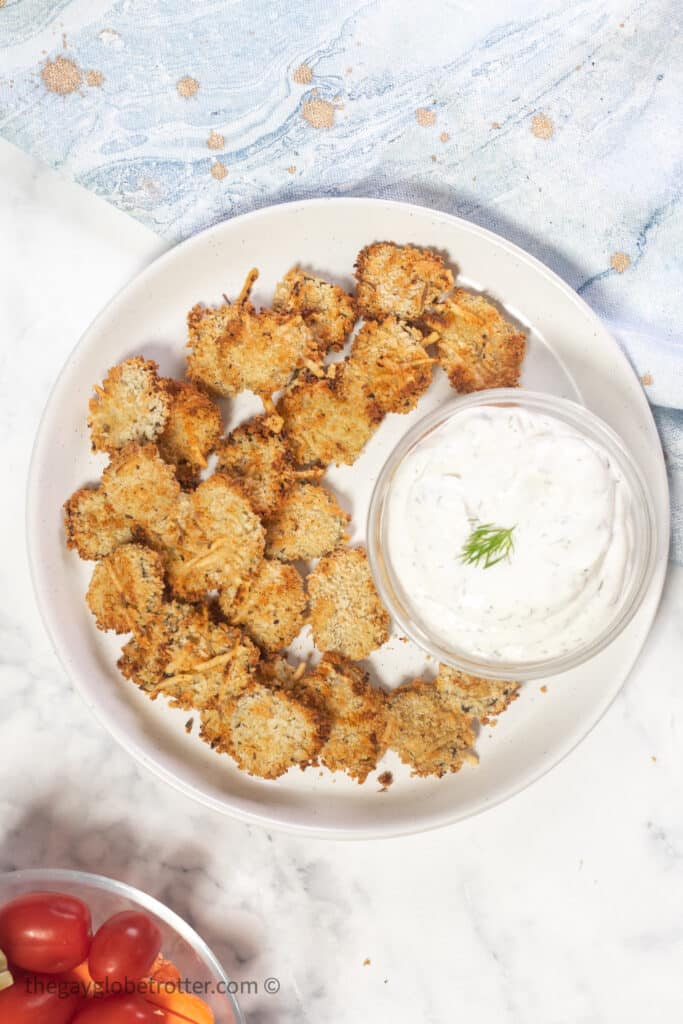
(44,878)
(645,542)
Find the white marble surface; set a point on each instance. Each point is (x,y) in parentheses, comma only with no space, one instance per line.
(564,905)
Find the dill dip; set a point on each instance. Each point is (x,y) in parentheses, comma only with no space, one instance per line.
(510,533)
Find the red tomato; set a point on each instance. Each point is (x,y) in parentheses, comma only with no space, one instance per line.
(45,931)
(37,999)
(118,1010)
(124,947)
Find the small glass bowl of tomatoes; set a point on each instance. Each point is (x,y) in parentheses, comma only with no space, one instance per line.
(77,948)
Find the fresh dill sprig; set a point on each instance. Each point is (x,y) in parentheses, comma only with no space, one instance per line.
(488,544)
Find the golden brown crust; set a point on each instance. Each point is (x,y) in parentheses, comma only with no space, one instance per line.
(473,695)
(477,347)
(329,311)
(143,489)
(270,605)
(258,456)
(92,526)
(190,658)
(308,523)
(265,731)
(221,542)
(426,735)
(346,613)
(126,588)
(192,430)
(205,327)
(328,419)
(356,711)
(399,280)
(235,349)
(130,406)
(393,364)
(143,660)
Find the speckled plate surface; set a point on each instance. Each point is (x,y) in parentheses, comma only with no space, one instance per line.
(570,353)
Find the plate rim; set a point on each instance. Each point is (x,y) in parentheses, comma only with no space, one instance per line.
(267,820)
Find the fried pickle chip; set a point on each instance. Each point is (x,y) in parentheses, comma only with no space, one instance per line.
(145,655)
(221,543)
(270,605)
(328,419)
(346,614)
(329,311)
(92,526)
(193,660)
(258,456)
(475,696)
(399,280)
(126,588)
(131,406)
(307,524)
(266,731)
(430,737)
(394,367)
(234,348)
(356,710)
(140,486)
(257,352)
(192,430)
(477,347)
(205,328)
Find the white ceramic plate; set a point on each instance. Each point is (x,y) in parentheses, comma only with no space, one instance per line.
(570,353)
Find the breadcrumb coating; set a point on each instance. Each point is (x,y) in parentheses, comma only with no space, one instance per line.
(234,348)
(126,588)
(426,735)
(346,613)
(477,347)
(475,696)
(329,419)
(357,714)
(140,486)
(192,430)
(190,658)
(270,605)
(308,523)
(399,280)
(130,406)
(393,364)
(205,329)
(258,456)
(265,731)
(329,311)
(92,526)
(221,544)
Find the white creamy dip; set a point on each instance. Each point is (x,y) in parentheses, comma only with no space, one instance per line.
(571,510)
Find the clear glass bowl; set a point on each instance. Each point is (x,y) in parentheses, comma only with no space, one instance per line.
(644,535)
(105,897)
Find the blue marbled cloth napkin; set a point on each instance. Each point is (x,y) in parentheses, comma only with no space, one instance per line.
(555,124)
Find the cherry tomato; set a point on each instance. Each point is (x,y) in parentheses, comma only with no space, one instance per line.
(45,931)
(124,947)
(36,999)
(118,1010)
